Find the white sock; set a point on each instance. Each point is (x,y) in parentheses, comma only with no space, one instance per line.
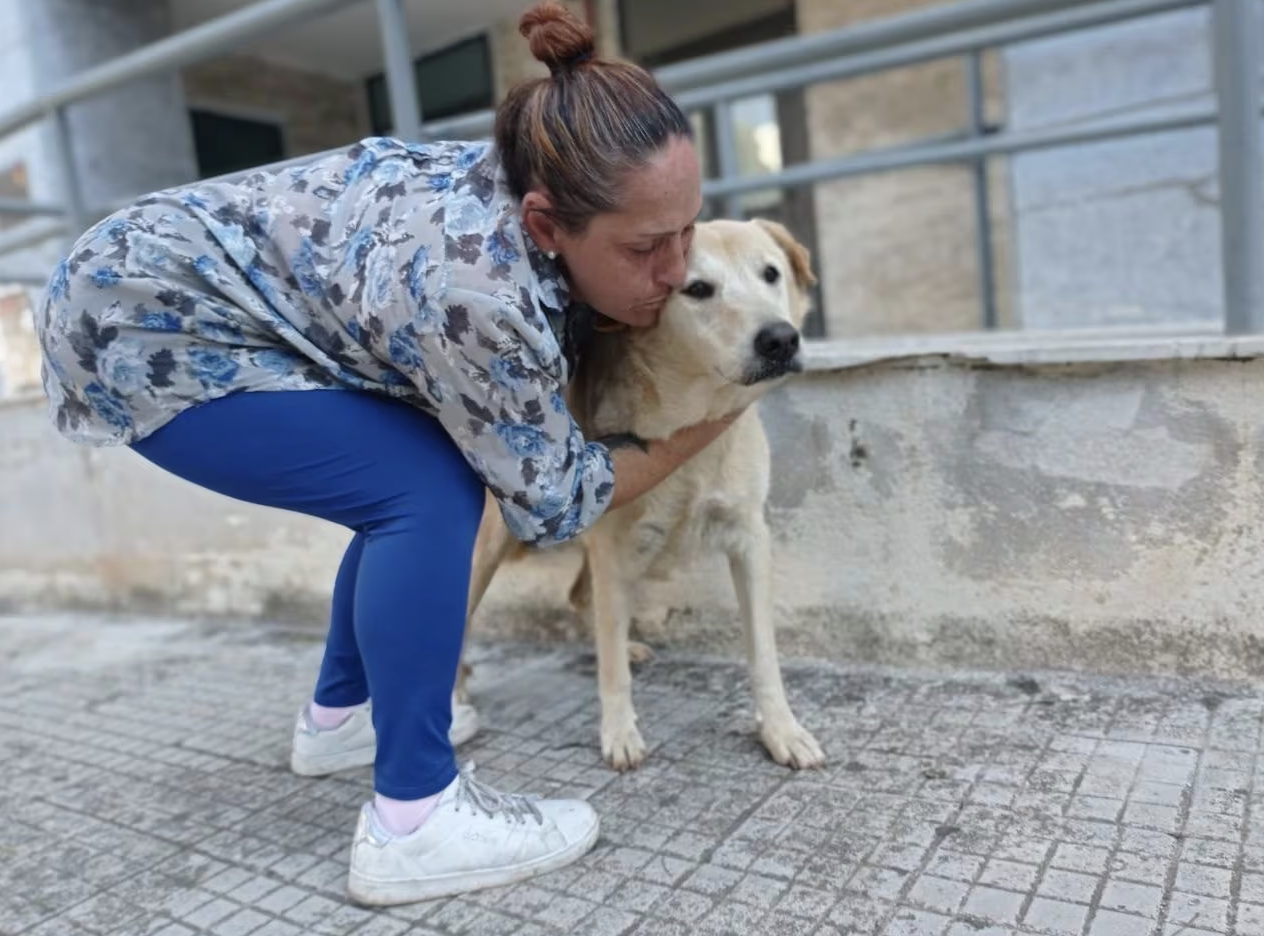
(403,817)
(326,718)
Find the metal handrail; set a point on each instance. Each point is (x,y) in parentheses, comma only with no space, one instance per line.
(175,52)
(999,144)
(962,28)
(228,31)
(915,52)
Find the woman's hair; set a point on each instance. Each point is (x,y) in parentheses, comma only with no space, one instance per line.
(577,133)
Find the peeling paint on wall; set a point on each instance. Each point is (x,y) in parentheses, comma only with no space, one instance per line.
(1104,517)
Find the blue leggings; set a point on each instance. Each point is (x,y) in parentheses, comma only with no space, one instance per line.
(392,474)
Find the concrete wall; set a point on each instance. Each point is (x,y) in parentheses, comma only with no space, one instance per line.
(899,248)
(1125,231)
(316,112)
(1103,516)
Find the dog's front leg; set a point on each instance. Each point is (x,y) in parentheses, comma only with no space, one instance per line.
(621,744)
(750,560)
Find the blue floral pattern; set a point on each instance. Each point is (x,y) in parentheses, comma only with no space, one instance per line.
(392,268)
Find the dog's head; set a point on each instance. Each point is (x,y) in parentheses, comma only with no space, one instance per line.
(743,302)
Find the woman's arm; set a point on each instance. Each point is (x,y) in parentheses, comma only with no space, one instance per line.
(640,465)
(472,355)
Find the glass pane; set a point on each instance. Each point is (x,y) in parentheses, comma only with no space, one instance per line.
(455,80)
(226,144)
(757,135)
(379,106)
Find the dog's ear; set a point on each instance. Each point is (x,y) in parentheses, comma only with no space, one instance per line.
(799,256)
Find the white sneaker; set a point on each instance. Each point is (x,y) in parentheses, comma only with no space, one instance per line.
(476,838)
(315,753)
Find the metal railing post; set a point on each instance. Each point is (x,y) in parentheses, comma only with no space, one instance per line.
(401,82)
(1236,51)
(982,197)
(64,153)
(726,154)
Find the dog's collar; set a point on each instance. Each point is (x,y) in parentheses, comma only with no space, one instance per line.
(573,328)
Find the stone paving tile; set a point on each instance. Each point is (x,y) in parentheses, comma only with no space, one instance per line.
(149,796)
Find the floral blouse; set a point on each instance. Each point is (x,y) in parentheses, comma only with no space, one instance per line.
(394,268)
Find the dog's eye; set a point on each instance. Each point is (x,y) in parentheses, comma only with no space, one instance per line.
(771,274)
(699,289)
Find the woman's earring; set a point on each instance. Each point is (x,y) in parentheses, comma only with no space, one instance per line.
(551,254)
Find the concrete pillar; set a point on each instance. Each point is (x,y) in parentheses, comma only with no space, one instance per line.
(128,141)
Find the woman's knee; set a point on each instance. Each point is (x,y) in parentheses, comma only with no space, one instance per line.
(447,503)
(432,480)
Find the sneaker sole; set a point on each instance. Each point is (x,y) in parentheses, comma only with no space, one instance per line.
(362,757)
(371,893)
(333,763)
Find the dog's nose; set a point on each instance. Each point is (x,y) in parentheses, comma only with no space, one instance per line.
(777,342)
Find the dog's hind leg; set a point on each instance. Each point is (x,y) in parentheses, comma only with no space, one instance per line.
(750,561)
(492,546)
(621,744)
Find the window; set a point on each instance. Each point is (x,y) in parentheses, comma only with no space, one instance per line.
(452,81)
(658,33)
(225,143)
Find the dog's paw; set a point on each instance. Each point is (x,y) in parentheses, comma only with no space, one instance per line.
(792,745)
(639,653)
(622,746)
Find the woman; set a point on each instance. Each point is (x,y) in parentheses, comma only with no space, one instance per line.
(413,314)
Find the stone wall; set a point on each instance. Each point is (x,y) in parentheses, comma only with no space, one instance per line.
(935,510)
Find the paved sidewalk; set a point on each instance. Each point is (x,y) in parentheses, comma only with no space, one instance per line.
(142,767)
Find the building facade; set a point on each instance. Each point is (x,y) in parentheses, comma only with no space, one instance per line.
(1117,233)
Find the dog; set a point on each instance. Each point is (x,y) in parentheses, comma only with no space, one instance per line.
(728,336)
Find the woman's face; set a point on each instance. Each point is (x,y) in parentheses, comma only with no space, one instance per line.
(626,263)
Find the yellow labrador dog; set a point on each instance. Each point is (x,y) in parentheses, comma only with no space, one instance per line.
(723,341)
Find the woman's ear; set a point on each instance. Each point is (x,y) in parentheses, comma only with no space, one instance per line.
(537,218)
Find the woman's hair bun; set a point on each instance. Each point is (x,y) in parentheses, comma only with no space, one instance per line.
(557,38)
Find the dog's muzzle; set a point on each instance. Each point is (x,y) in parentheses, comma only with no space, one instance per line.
(776,353)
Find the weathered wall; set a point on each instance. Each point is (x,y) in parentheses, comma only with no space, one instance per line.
(1099,516)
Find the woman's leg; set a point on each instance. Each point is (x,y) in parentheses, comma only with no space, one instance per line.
(342,682)
(389,472)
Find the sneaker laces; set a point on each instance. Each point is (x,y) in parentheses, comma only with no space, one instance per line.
(483,798)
